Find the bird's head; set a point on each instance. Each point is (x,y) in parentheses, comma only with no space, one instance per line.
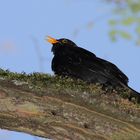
(61,42)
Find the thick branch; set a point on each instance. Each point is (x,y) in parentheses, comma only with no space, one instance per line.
(59,108)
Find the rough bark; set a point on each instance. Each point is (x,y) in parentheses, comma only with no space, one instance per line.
(59,108)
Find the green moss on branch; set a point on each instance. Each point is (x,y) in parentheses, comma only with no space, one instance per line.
(45,105)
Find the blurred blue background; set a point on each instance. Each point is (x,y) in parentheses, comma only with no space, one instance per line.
(24,25)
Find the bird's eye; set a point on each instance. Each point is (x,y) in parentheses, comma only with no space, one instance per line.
(64,41)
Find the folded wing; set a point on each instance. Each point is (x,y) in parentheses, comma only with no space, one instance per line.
(79,63)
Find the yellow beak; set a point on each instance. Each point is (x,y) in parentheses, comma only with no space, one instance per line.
(51,40)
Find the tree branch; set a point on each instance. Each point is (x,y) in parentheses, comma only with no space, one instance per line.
(57,108)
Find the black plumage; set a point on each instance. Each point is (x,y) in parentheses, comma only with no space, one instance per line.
(76,62)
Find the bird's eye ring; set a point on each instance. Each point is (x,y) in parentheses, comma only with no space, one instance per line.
(64,41)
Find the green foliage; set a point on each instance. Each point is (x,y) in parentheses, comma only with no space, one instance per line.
(115,33)
(125,35)
(138,30)
(112,34)
(128,21)
(112,22)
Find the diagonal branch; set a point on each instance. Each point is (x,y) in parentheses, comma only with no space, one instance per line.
(57,108)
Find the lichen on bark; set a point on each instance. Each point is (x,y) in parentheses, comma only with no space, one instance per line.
(62,108)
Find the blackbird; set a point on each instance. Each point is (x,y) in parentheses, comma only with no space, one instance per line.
(76,62)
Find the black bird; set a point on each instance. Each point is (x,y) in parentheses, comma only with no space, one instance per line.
(76,62)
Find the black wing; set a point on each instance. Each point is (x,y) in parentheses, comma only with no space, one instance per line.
(80,63)
(113,70)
